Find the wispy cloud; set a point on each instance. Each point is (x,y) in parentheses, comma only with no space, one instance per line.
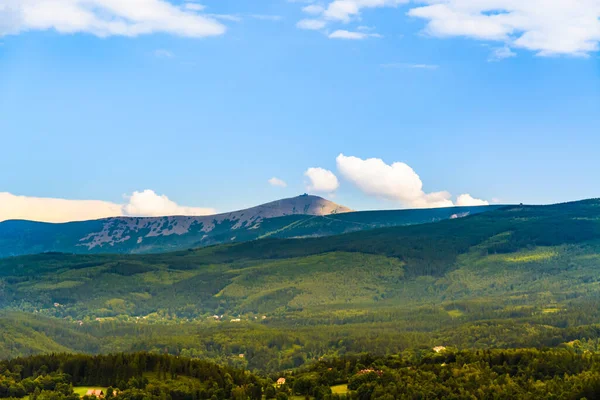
(346,10)
(430,67)
(274,181)
(194,6)
(349,35)
(162,53)
(501,53)
(266,17)
(311,24)
(226,17)
(314,9)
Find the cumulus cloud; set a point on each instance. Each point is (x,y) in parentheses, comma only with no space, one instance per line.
(348,35)
(149,204)
(277,182)
(107,17)
(546,27)
(44,209)
(397,182)
(321,180)
(468,200)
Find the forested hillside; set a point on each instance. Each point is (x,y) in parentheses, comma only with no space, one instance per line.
(442,373)
(518,276)
(125,376)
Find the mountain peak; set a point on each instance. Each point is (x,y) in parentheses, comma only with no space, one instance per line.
(124,229)
(303,204)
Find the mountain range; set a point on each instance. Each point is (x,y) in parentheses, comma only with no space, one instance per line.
(514,276)
(301,216)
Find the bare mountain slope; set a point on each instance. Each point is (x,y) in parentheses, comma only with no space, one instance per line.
(117,230)
(302,216)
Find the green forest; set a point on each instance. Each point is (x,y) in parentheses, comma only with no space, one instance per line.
(419,374)
(511,295)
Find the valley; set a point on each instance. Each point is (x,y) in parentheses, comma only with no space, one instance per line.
(518,276)
(505,280)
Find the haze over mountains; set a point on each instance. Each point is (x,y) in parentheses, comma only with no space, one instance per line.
(301,216)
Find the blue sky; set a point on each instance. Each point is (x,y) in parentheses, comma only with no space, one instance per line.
(207,114)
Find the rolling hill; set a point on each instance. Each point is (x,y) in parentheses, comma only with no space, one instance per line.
(518,276)
(360,269)
(302,216)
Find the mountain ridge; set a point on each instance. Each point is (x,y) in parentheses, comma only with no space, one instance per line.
(301,216)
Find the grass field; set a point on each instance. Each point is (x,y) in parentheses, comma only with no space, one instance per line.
(82,390)
(339,389)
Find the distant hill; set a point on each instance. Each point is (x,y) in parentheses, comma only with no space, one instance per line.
(302,216)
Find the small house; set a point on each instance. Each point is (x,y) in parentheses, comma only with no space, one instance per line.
(280,381)
(95,392)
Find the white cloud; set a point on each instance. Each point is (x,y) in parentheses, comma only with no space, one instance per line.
(277,182)
(311,24)
(468,200)
(106,18)
(149,204)
(321,180)
(54,210)
(545,26)
(411,66)
(348,35)
(501,53)
(162,53)
(313,9)
(397,182)
(194,6)
(265,17)
(226,17)
(146,203)
(345,10)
